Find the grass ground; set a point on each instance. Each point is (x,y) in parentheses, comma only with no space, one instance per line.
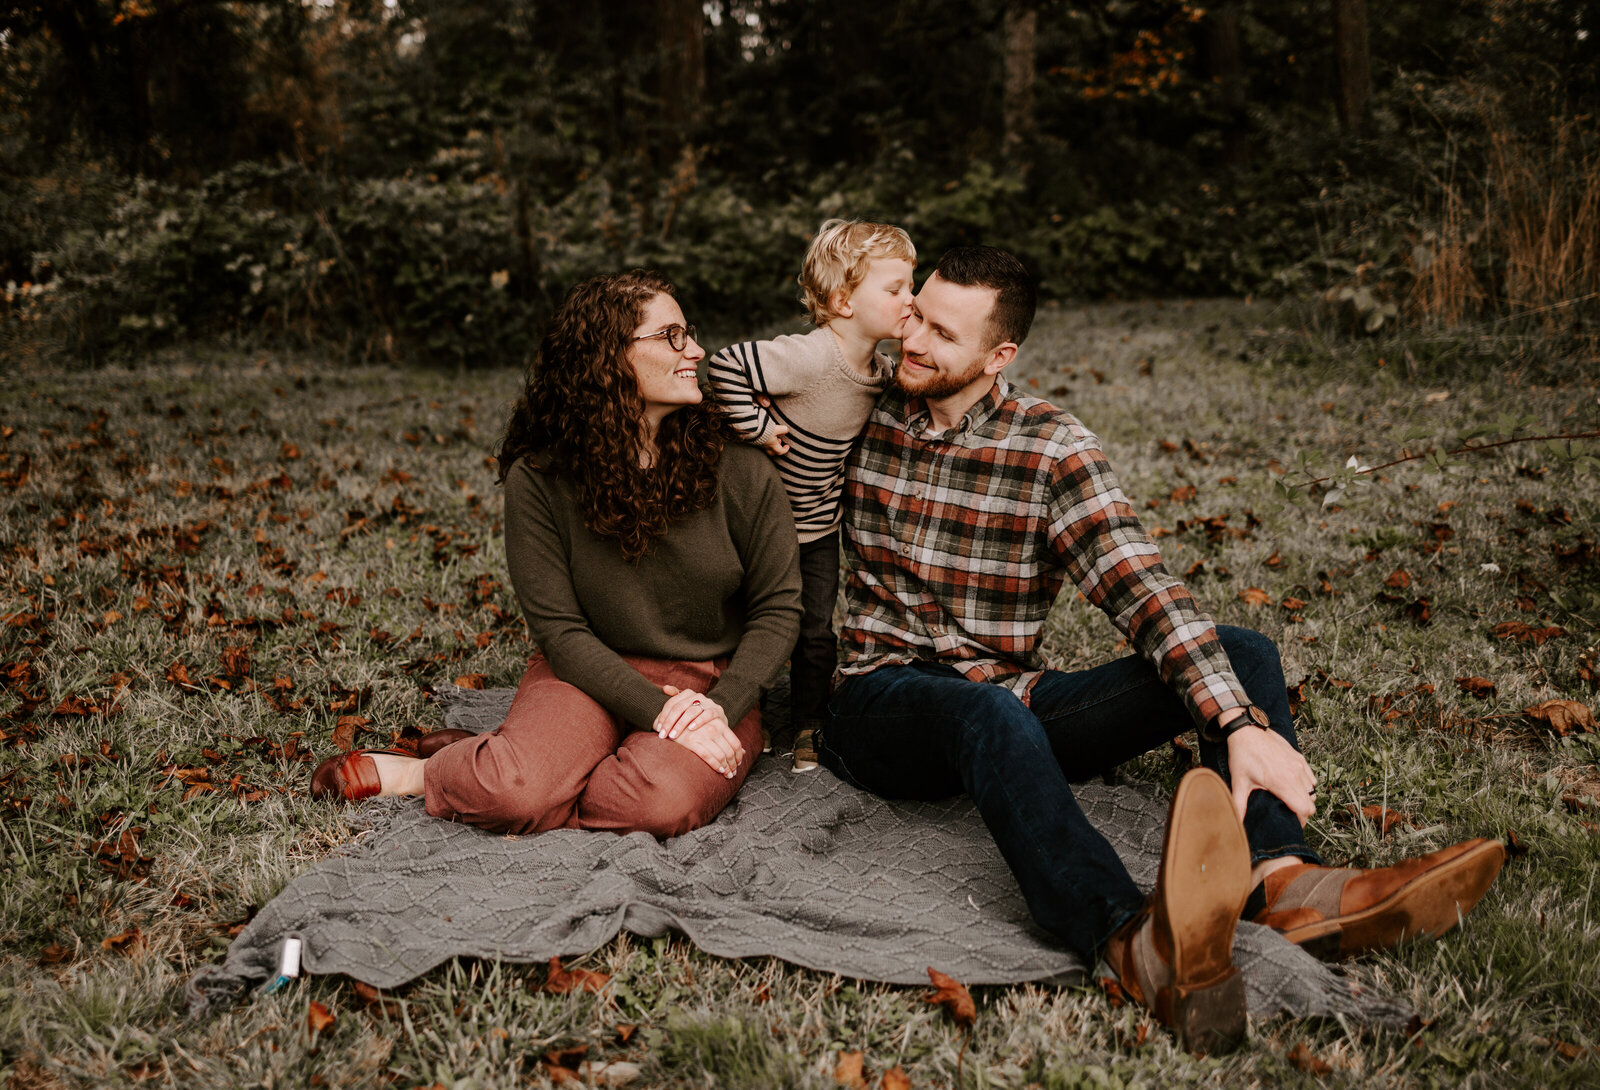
(210,567)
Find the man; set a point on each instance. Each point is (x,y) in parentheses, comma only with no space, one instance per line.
(967,507)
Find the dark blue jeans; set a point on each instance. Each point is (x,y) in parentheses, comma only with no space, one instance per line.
(923,731)
(816,651)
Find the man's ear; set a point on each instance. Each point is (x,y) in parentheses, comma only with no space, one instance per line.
(1000,357)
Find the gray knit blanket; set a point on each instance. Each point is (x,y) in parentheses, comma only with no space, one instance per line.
(799,867)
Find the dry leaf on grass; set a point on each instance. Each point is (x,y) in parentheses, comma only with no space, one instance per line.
(124,942)
(1480,687)
(561,981)
(1525,633)
(1254,596)
(849,1071)
(345,730)
(1385,819)
(1562,716)
(895,1079)
(953,996)
(318,1018)
(376,1000)
(471,681)
(1302,1057)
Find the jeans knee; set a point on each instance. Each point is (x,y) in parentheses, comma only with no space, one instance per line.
(996,722)
(1246,647)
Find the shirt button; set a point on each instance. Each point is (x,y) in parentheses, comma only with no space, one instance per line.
(905,550)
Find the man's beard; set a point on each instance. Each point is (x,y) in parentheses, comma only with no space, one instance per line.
(938,384)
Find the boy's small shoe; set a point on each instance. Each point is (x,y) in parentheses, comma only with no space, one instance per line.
(805,751)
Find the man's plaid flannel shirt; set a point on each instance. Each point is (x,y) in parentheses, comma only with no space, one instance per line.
(958,544)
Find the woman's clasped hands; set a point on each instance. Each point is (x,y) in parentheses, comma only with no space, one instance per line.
(698,723)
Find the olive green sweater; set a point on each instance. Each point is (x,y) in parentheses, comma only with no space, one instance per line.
(723,581)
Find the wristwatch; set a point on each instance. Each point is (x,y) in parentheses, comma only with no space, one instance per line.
(1253,716)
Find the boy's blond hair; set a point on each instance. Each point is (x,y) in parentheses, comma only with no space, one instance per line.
(838,257)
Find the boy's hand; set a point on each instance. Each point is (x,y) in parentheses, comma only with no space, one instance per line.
(777,444)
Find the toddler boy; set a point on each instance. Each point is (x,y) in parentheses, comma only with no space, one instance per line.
(815,392)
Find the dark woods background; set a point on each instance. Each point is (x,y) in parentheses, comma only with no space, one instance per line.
(420,179)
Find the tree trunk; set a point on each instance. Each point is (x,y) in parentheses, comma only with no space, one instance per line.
(1354,65)
(1225,66)
(1021,29)
(681,59)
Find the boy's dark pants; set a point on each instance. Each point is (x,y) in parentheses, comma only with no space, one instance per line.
(816,652)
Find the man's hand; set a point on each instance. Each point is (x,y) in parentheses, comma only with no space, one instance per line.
(1261,759)
(777,444)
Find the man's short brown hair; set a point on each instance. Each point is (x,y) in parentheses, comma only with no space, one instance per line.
(1015,297)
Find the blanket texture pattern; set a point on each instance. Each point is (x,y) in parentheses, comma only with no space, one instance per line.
(799,867)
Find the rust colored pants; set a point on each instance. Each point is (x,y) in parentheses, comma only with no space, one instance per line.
(561,761)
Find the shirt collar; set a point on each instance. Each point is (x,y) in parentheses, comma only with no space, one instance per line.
(917,416)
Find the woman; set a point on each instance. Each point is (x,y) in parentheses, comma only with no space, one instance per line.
(658,572)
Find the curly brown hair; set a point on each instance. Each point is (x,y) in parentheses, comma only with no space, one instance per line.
(581,413)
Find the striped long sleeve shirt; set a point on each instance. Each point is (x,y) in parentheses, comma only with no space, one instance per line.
(820,398)
(957,545)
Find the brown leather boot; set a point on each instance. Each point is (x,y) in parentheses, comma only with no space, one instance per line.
(1177,957)
(1340,912)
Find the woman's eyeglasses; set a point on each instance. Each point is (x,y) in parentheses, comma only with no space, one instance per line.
(678,336)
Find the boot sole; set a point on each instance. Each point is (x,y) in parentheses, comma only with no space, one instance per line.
(1205,879)
(1429,905)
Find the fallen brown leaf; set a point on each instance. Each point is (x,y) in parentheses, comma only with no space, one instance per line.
(561,981)
(1302,1057)
(471,681)
(344,731)
(1525,633)
(953,996)
(1399,579)
(849,1072)
(1562,716)
(895,1079)
(376,999)
(1385,819)
(1254,596)
(1480,687)
(124,942)
(318,1018)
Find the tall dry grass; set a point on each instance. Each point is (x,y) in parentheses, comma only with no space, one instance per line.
(1520,240)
